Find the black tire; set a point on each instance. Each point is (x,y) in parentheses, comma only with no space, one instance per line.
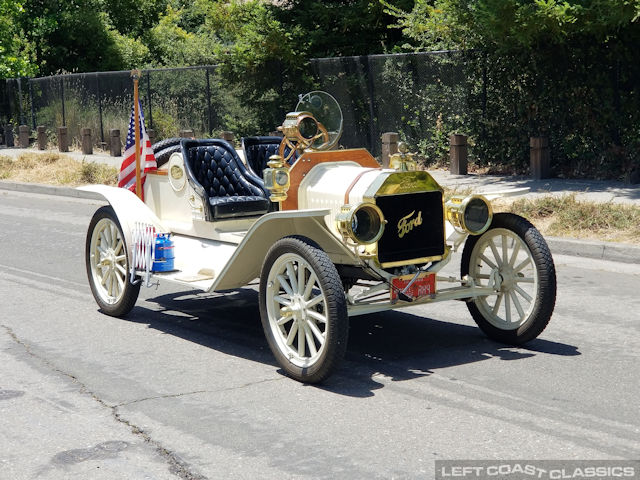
(167,142)
(163,155)
(122,303)
(308,367)
(542,292)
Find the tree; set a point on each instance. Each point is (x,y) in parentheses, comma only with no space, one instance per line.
(16,54)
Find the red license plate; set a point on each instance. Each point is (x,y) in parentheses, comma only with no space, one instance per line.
(424,285)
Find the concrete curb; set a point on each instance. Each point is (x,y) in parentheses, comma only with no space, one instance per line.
(614,252)
(49,190)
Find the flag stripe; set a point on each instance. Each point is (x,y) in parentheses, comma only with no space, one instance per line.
(127,175)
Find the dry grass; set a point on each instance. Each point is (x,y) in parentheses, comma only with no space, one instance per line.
(565,216)
(55,169)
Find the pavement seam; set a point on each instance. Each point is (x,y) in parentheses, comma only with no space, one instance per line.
(183,394)
(177,466)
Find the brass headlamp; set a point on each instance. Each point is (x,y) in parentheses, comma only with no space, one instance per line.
(472,214)
(362,224)
(276,178)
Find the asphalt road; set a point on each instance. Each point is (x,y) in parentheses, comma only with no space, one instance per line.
(186,387)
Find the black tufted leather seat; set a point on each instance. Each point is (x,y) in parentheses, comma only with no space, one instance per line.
(218,175)
(257,151)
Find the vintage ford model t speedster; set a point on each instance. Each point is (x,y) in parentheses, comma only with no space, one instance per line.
(329,233)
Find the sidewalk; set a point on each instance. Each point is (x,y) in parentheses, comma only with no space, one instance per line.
(590,190)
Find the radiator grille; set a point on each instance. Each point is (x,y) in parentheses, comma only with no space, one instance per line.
(415,226)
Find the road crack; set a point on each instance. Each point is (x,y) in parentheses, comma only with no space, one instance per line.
(177,465)
(195,392)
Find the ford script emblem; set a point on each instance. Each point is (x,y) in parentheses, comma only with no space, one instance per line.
(406,223)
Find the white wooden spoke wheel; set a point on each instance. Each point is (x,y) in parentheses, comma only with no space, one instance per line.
(512,257)
(108,264)
(303,309)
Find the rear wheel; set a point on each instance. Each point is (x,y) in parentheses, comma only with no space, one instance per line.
(512,255)
(303,309)
(108,264)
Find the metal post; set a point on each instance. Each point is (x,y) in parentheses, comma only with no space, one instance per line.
(64,119)
(33,112)
(149,113)
(20,101)
(99,106)
(372,110)
(209,129)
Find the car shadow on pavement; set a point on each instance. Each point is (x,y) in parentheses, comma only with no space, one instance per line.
(394,345)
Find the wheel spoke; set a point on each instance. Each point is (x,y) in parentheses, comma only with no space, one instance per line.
(281,300)
(487,261)
(301,341)
(282,320)
(505,249)
(309,287)
(315,301)
(292,277)
(494,250)
(317,316)
(285,285)
(516,302)
(310,342)
(119,247)
(121,269)
(120,259)
(496,307)
(103,240)
(525,280)
(514,255)
(301,285)
(112,231)
(292,333)
(522,265)
(316,332)
(507,306)
(120,284)
(523,294)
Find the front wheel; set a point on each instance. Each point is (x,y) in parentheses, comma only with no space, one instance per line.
(303,309)
(513,256)
(108,264)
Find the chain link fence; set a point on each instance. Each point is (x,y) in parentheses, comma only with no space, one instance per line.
(423,96)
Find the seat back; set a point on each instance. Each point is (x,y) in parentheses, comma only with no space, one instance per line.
(214,165)
(257,151)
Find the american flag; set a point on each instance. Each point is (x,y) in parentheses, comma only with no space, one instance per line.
(127,175)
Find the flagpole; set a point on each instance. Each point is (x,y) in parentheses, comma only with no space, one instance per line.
(136,75)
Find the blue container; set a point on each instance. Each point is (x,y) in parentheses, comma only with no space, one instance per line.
(164,253)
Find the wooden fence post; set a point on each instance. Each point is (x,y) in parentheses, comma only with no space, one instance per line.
(458,154)
(23,136)
(229,137)
(540,157)
(87,145)
(115,146)
(63,140)
(389,147)
(42,137)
